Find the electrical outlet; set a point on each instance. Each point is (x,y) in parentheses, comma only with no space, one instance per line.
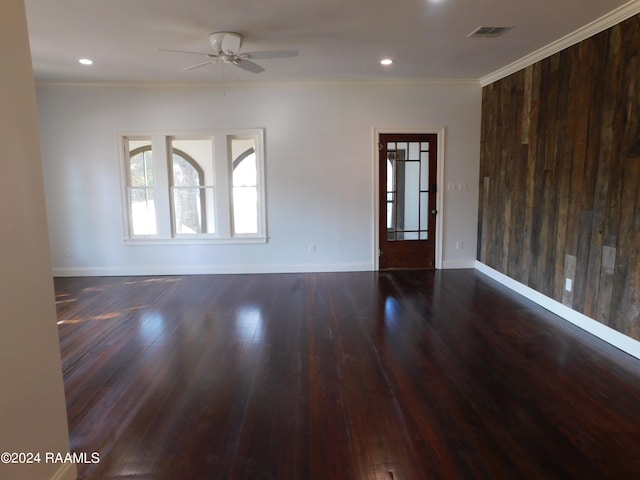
(459,245)
(568,284)
(312,248)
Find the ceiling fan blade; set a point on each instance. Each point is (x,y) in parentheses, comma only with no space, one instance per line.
(248,65)
(270,54)
(186,51)
(198,65)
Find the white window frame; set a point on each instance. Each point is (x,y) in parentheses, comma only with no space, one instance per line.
(223,170)
(259,152)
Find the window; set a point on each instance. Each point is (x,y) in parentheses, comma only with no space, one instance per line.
(192,186)
(195,187)
(140,189)
(245,186)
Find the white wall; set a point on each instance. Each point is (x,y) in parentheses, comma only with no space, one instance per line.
(320,171)
(32,405)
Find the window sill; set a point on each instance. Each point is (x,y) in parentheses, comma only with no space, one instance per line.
(194,241)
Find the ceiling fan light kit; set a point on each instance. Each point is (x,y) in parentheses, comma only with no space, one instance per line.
(227,42)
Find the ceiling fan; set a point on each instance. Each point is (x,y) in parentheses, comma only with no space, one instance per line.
(226,49)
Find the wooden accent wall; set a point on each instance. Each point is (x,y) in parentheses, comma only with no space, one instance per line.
(560,176)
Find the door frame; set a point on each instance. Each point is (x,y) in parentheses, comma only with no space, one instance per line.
(440,132)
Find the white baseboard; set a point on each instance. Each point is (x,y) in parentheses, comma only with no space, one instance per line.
(66,472)
(207,269)
(453,264)
(608,334)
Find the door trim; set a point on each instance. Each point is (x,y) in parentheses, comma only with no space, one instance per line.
(440,132)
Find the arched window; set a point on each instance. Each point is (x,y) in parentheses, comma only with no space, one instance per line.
(141,190)
(200,187)
(188,199)
(245,187)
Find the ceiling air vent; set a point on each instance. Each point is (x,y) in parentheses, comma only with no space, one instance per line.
(489,31)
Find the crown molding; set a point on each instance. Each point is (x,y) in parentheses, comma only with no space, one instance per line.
(44,84)
(607,21)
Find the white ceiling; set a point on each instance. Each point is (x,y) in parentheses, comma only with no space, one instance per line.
(337,40)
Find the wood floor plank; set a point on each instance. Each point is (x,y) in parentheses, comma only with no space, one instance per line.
(354,375)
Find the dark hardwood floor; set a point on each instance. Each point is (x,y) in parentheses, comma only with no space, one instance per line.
(394,376)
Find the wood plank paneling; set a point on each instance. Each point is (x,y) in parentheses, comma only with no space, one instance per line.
(560,166)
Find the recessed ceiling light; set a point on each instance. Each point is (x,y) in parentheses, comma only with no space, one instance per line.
(386,61)
(85,61)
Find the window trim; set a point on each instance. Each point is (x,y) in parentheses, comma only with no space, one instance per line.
(223,163)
